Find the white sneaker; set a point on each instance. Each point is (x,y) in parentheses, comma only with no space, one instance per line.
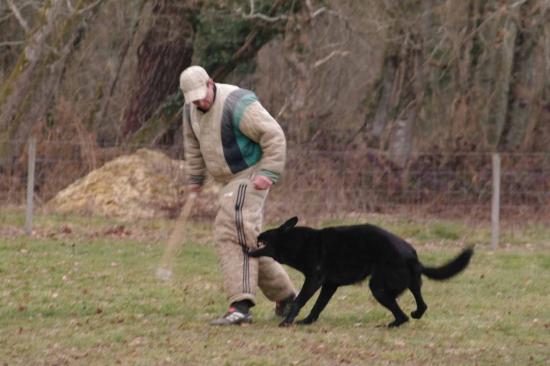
(233,317)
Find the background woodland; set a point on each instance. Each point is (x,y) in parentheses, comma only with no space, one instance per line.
(368,78)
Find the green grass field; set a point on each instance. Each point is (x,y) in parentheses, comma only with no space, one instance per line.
(82,291)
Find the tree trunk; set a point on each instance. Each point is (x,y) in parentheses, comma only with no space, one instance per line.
(154,113)
(530,75)
(18,91)
(165,51)
(401,92)
(30,91)
(98,119)
(504,77)
(407,102)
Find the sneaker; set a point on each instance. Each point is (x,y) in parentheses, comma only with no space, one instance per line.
(233,317)
(282,308)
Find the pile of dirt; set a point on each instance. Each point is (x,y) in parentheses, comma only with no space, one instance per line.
(146,184)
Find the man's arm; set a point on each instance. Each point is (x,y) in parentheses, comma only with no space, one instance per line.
(258,125)
(195,166)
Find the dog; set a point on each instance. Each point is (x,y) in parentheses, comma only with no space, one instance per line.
(344,255)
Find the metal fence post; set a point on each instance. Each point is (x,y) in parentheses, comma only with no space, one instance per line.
(30,185)
(495,209)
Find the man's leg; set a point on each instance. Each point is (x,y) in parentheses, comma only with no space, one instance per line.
(276,285)
(236,228)
(240,272)
(272,278)
(240,223)
(274,281)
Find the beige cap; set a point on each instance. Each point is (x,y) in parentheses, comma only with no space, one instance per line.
(193,82)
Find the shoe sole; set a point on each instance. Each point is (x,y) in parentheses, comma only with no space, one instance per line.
(243,323)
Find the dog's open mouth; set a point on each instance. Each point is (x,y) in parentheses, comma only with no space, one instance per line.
(260,244)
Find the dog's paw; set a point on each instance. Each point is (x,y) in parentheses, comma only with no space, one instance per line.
(397,322)
(285,324)
(417,314)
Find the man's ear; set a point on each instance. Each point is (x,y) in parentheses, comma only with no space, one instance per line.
(289,224)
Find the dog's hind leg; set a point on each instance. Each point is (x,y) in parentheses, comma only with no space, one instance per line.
(387,298)
(415,287)
(327,291)
(311,285)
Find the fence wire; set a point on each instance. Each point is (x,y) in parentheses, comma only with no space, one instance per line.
(329,182)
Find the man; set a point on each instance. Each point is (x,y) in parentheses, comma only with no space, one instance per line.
(228,133)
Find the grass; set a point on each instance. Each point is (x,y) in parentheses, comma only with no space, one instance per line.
(81,291)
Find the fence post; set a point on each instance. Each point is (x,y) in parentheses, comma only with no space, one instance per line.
(495,209)
(30,185)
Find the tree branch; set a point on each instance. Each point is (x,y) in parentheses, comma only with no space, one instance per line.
(70,6)
(246,49)
(89,7)
(267,18)
(22,22)
(330,55)
(11,43)
(314,13)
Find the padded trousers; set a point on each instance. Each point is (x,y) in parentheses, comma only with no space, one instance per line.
(236,228)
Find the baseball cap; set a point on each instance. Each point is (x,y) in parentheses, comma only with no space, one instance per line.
(193,83)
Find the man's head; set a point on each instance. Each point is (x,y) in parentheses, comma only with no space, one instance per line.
(197,87)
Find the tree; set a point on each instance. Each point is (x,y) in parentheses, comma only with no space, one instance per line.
(217,37)
(166,49)
(30,91)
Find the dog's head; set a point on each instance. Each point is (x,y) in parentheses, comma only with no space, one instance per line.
(269,241)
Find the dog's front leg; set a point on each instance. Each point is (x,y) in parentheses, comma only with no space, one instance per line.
(310,286)
(327,291)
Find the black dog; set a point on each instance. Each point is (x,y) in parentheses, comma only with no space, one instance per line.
(343,255)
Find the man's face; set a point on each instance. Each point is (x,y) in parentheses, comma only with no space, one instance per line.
(206,102)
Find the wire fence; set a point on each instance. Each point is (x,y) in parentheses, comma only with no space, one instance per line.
(459,183)
(57,164)
(327,183)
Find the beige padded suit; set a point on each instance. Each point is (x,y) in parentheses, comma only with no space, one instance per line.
(235,140)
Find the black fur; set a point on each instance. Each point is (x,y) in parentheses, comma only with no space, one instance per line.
(343,255)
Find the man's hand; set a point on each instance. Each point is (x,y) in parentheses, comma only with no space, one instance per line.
(261,182)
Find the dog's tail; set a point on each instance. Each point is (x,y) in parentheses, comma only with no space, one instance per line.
(451,268)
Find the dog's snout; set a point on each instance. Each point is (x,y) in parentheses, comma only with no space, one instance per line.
(260,244)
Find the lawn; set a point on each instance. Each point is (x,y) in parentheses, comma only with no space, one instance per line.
(82,291)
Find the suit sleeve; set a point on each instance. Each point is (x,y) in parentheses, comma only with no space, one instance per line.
(258,125)
(195,166)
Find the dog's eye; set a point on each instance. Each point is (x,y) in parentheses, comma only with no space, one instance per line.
(260,244)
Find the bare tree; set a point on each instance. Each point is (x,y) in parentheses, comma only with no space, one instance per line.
(153,113)
(164,51)
(31,88)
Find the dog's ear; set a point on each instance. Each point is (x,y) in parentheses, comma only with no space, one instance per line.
(289,224)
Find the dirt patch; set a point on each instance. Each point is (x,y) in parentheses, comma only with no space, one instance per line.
(146,184)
